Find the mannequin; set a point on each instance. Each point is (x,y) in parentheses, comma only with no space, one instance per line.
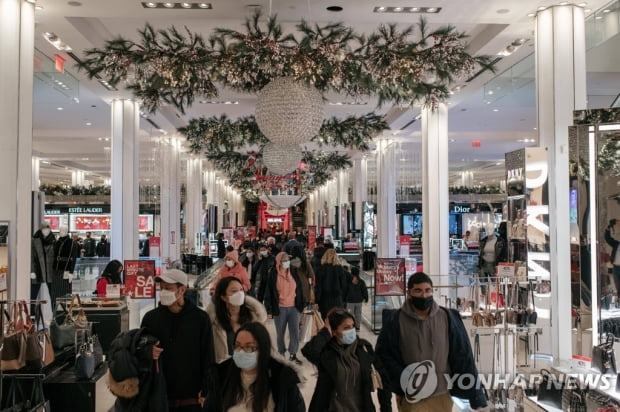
(493,249)
(65,251)
(42,261)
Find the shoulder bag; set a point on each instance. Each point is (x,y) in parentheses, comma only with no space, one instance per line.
(84,363)
(39,348)
(532,316)
(80,320)
(550,390)
(604,357)
(62,334)
(14,341)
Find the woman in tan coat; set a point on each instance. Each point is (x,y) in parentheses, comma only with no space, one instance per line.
(229,309)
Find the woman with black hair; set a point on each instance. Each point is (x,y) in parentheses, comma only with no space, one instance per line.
(231,308)
(254,380)
(111,276)
(345,363)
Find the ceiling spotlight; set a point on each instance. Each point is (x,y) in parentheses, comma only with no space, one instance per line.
(334,8)
(398,9)
(606,11)
(531,15)
(59,108)
(89,124)
(563,3)
(169,5)
(379,9)
(583,4)
(496,110)
(204,5)
(186,5)
(150,5)
(414,9)
(541,8)
(431,9)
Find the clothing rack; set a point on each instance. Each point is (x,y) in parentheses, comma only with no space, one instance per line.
(22,300)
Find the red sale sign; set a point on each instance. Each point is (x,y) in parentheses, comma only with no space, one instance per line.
(389,277)
(140,279)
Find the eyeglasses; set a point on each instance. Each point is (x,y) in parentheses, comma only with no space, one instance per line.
(246,349)
(420,292)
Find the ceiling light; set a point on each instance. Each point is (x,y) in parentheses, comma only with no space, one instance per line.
(598,17)
(452,140)
(85,158)
(541,8)
(414,9)
(45,162)
(74,3)
(587,10)
(583,4)
(169,5)
(89,124)
(563,3)
(56,41)
(379,9)
(59,108)
(531,15)
(496,110)
(606,11)
(398,9)
(31,1)
(432,10)
(100,138)
(150,5)
(498,163)
(186,5)
(38,8)
(107,139)
(204,5)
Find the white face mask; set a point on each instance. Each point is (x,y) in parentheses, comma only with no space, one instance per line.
(237,298)
(230,263)
(264,253)
(286,265)
(45,232)
(167,297)
(249,254)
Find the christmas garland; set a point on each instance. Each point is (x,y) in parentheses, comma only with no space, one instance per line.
(175,67)
(221,134)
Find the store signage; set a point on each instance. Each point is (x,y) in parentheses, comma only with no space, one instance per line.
(404,242)
(154,244)
(140,279)
(389,277)
(311,237)
(460,209)
(516,174)
(505,269)
(85,210)
(52,212)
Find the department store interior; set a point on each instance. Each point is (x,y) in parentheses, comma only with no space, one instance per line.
(523,148)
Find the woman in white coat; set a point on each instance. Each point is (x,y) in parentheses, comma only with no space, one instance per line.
(230,308)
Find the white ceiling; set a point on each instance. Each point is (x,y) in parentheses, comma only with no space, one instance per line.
(62,137)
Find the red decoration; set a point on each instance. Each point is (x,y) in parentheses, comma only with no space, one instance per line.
(475,143)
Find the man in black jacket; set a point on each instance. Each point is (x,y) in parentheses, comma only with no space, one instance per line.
(424,349)
(184,333)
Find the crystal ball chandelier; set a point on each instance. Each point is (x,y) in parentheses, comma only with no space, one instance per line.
(288,111)
(281,158)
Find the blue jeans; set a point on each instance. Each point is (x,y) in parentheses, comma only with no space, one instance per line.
(290,317)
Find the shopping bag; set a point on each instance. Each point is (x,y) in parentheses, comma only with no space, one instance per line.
(306,329)
(317,322)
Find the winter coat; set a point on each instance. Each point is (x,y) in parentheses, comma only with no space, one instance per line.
(133,376)
(460,355)
(356,293)
(220,341)
(237,271)
(272,297)
(285,379)
(501,250)
(64,251)
(319,351)
(331,287)
(90,247)
(42,258)
(221,248)
(103,248)
(261,270)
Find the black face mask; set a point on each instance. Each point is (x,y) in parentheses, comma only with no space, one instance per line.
(421,303)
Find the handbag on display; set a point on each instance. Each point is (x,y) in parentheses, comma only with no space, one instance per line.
(604,357)
(532,316)
(573,396)
(511,314)
(550,390)
(476,317)
(96,349)
(80,320)
(84,363)
(62,334)
(489,318)
(14,341)
(39,348)
(499,303)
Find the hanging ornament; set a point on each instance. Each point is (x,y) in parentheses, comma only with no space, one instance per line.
(288,111)
(281,158)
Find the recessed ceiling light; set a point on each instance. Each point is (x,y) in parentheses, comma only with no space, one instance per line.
(606,11)
(583,4)
(89,124)
(498,163)
(598,17)
(379,9)
(204,5)
(541,8)
(398,9)
(85,158)
(587,10)
(38,8)
(496,110)
(432,9)
(186,5)
(59,108)
(150,5)
(563,3)
(452,140)
(531,15)
(169,5)
(100,138)
(334,8)
(107,139)
(414,9)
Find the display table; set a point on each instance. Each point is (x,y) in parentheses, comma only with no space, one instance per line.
(108,322)
(65,393)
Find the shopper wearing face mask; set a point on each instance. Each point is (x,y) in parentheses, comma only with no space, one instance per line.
(186,343)
(260,271)
(248,260)
(230,309)
(232,267)
(423,336)
(42,259)
(284,302)
(254,379)
(344,363)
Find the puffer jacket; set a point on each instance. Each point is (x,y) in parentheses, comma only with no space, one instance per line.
(220,343)
(133,376)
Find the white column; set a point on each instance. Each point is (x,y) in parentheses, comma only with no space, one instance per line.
(36,173)
(561,88)
(467,178)
(360,188)
(125,179)
(343,198)
(435,200)
(193,202)
(386,200)
(16,88)
(77,178)
(170,198)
